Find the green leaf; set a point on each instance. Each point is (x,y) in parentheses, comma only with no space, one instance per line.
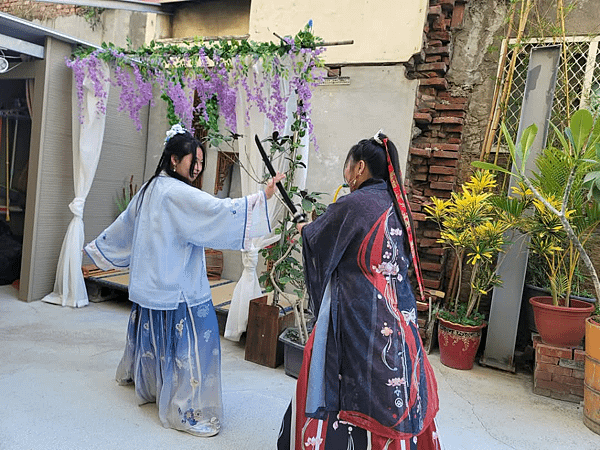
(490,166)
(307,205)
(581,126)
(511,144)
(525,144)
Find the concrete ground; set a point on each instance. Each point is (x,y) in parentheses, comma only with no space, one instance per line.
(57,391)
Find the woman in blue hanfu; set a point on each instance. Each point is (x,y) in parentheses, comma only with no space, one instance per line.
(365,381)
(173,352)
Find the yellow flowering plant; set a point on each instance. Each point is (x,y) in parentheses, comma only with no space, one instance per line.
(473,227)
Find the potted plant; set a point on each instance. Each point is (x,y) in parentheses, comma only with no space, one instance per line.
(284,275)
(472,226)
(560,319)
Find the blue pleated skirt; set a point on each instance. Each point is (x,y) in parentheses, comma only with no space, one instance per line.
(174,359)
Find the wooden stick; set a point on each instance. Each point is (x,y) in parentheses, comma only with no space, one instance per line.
(489,136)
(7,169)
(325,44)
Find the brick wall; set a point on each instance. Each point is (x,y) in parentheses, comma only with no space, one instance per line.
(559,372)
(439,116)
(31,10)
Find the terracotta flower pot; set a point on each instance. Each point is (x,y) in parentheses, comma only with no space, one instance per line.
(591,386)
(560,326)
(458,344)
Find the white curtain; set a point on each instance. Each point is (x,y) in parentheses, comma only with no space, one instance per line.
(69,286)
(253,168)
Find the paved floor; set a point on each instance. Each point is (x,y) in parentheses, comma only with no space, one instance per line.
(57,391)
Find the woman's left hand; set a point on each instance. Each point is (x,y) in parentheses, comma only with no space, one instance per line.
(270,189)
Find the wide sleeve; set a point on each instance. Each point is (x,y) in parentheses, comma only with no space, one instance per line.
(112,248)
(324,242)
(225,224)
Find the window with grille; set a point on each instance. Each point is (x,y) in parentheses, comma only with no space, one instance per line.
(583,78)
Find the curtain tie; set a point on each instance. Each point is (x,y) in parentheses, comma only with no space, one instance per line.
(76,206)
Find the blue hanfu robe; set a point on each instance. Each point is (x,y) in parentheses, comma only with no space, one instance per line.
(172,353)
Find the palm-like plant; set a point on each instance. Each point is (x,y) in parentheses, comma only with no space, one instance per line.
(565,191)
(472,226)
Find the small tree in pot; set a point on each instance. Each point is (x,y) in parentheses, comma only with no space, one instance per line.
(579,158)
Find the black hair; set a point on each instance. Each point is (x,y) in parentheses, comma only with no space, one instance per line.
(180,145)
(374,155)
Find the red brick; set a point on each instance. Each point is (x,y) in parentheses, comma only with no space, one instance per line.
(420,168)
(554,370)
(428,98)
(425,152)
(558,352)
(444,162)
(579,374)
(540,391)
(547,359)
(437,193)
(428,243)
(579,355)
(447,178)
(571,381)
(446,154)
(449,120)
(458,13)
(552,386)
(433,284)
(438,50)
(419,216)
(442,185)
(440,24)
(432,67)
(434,10)
(437,251)
(540,375)
(454,113)
(420,177)
(432,267)
(443,36)
(447,5)
(443,170)
(437,82)
(577,390)
(450,106)
(432,234)
(433,58)
(445,146)
(422,117)
(454,129)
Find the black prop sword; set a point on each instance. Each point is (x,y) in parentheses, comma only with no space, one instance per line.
(297,216)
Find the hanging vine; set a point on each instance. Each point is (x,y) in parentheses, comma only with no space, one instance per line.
(218,72)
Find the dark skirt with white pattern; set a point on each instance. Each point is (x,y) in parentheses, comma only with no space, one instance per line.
(174,359)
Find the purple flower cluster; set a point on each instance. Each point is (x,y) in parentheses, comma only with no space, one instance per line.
(210,78)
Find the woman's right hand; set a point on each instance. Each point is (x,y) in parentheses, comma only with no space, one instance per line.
(270,189)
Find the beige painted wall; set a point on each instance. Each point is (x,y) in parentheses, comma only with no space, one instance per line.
(382,30)
(211,18)
(377,97)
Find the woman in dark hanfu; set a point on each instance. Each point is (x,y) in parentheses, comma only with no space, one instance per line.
(365,381)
